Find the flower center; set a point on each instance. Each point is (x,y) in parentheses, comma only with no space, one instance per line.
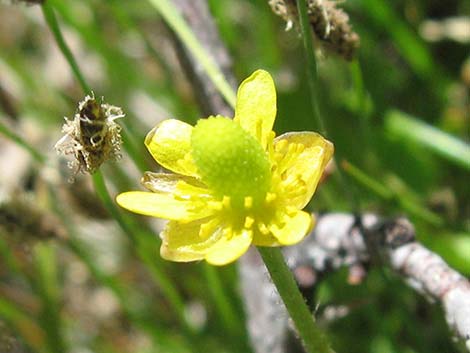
(230,161)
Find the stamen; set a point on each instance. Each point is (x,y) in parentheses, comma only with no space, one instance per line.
(294,190)
(227,232)
(248,222)
(248,202)
(259,129)
(270,197)
(205,230)
(281,145)
(215,205)
(263,229)
(286,156)
(291,210)
(226,202)
(300,148)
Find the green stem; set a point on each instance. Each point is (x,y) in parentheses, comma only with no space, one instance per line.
(169,13)
(227,314)
(51,21)
(48,287)
(312,74)
(311,64)
(24,325)
(361,100)
(410,206)
(130,145)
(314,340)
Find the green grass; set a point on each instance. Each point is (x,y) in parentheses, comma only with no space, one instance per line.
(396,114)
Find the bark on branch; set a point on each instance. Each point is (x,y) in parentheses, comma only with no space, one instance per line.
(340,240)
(198,16)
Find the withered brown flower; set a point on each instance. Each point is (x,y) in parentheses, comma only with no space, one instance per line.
(330,24)
(92,136)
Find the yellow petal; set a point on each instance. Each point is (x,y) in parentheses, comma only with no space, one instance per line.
(292,228)
(227,249)
(170,145)
(255,109)
(182,242)
(301,157)
(181,185)
(260,239)
(162,206)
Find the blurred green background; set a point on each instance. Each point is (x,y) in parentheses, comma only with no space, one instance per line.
(398,115)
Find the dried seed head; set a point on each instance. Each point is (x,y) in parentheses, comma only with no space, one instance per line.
(330,24)
(92,136)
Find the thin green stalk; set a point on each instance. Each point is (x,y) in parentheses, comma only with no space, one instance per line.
(311,64)
(314,340)
(131,147)
(440,142)
(22,323)
(51,20)
(361,100)
(7,132)
(410,206)
(228,316)
(7,257)
(169,13)
(365,180)
(312,75)
(47,286)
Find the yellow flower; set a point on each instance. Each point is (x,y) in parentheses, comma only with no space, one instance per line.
(234,183)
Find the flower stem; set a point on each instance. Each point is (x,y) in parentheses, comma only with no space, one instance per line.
(311,64)
(47,285)
(413,207)
(312,75)
(51,21)
(314,340)
(228,316)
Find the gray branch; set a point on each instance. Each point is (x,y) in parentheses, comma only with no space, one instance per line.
(199,18)
(340,240)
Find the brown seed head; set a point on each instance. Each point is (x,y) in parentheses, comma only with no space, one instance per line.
(330,24)
(92,136)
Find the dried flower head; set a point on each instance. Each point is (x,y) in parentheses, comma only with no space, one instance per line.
(330,24)
(92,136)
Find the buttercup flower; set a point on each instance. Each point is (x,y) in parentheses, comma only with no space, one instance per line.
(234,183)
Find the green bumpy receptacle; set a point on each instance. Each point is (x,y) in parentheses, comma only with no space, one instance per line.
(230,161)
